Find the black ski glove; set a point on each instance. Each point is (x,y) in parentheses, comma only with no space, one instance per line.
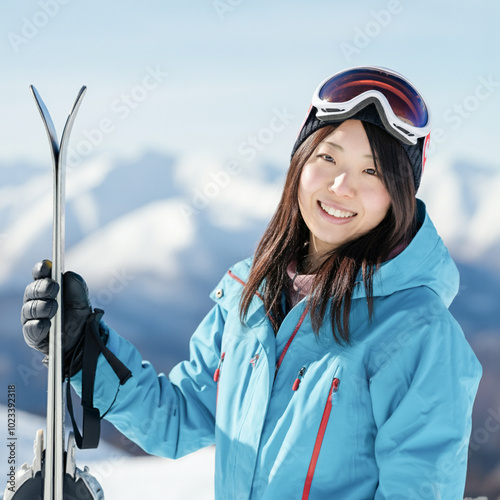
(40,306)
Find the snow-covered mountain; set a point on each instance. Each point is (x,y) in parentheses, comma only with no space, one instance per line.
(153,235)
(143,214)
(464,202)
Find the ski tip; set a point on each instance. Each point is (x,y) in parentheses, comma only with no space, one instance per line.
(74,109)
(35,91)
(79,97)
(82,90)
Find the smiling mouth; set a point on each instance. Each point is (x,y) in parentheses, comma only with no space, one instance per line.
(341,214)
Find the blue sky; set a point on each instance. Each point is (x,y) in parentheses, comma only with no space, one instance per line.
(203,77)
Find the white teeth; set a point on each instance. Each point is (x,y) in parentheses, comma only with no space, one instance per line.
(335,212)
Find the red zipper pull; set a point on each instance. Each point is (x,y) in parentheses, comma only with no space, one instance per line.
(217,371)
(335,384)
(299,378)
(254,360)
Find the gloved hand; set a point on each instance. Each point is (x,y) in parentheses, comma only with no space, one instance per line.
(40,306)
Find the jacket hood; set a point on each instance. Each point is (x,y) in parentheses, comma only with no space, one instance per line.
(424,262)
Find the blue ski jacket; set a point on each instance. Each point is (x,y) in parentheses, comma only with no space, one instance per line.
(297,415)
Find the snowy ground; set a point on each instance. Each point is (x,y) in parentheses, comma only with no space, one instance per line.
(187,478)
(122,476)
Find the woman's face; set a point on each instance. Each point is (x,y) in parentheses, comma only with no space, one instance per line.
(341,195)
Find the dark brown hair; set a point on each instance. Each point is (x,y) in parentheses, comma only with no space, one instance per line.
(287,236)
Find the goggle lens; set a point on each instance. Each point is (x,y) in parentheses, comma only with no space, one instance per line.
(405,101)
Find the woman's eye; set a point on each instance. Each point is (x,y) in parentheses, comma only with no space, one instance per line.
(326,157)
(371,171)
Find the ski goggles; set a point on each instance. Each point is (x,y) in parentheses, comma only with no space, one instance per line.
(400,106)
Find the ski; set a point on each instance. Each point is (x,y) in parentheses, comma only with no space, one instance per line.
(53,486)
(53,473)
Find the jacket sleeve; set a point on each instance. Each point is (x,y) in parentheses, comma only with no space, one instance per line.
(422,399)
(166,416)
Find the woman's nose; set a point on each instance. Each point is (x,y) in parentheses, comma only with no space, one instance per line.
(342,185)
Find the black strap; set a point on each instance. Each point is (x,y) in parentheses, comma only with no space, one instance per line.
(92,347)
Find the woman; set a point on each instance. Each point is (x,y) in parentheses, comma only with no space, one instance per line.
(329,366)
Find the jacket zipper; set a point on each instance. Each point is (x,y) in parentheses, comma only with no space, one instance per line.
(321,434)
(219,366)
(217,377)
(292,336)
(301,373)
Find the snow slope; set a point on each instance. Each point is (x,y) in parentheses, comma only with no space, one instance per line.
(464,203)
(27,425)
(152,236)
(190,477)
